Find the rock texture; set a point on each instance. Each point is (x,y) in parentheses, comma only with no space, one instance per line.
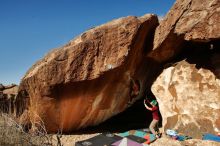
(188,20)
(189,99)
(88,80)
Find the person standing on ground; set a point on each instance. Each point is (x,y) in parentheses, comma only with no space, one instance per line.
(155,113)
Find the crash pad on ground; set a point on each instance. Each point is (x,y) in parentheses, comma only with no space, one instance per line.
(127,142)
(100,140)
(149,138)
(124,134)
(136,138)
(140,133)
(211,137)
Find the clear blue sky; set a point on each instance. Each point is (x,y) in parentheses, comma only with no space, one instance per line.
(30,28)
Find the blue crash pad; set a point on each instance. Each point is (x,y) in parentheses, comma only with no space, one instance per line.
(211,137)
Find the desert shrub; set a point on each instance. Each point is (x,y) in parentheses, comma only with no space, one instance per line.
(12,134)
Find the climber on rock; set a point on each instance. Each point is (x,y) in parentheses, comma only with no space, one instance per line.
(135,89)
(155,113)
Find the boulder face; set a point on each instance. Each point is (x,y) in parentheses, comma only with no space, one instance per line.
(88,80)
(187,21)
(189,99)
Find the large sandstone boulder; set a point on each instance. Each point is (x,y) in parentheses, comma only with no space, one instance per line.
(88,80)
(187,21)
(189,99)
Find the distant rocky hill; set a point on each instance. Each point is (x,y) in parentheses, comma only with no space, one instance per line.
(8,95)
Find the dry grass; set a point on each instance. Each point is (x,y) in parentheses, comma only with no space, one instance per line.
(12,134)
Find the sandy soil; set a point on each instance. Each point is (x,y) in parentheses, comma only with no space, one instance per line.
(69,140)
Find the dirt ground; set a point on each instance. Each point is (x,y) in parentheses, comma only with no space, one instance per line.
(69,140)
